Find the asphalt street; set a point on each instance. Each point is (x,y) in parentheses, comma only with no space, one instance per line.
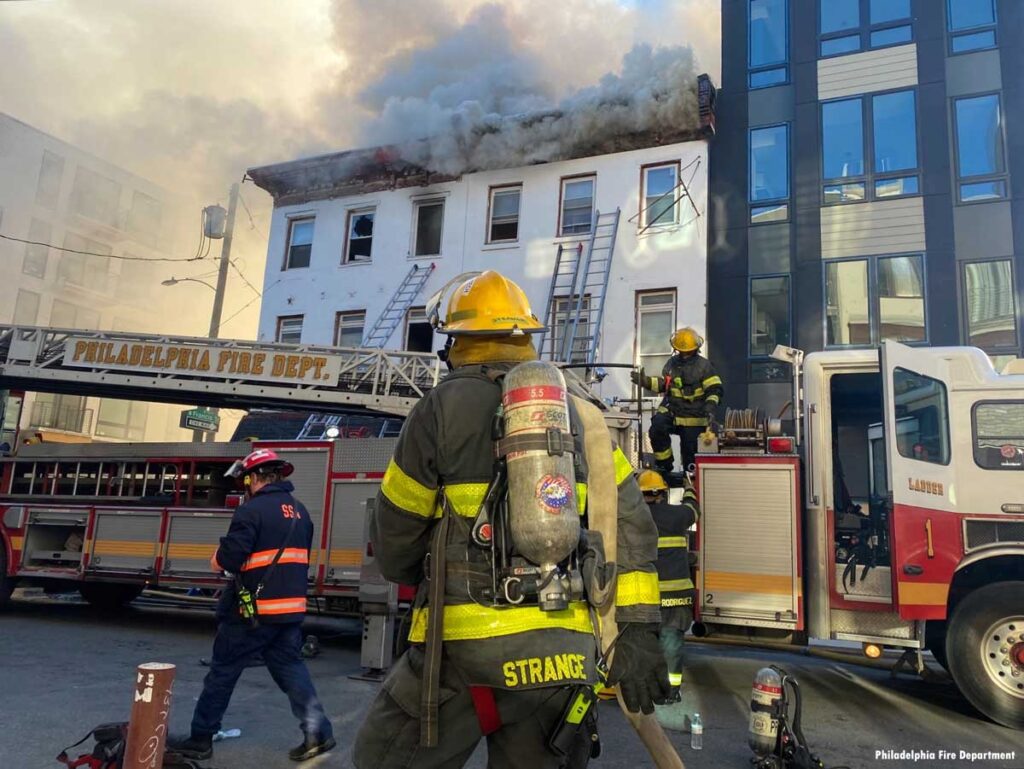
(64,669)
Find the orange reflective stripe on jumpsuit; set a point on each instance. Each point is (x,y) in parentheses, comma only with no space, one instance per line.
(266,557)
(270,606)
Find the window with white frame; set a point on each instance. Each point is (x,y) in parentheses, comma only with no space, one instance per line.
(360,236)
(289,329)
(428,226)
(122,419)
(577,205)
(348,328)
(655,322)
(563,311)
(503,218)
(659,194)
(300,243)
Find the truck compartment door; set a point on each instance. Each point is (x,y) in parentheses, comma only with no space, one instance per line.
(125,540)
(749,541)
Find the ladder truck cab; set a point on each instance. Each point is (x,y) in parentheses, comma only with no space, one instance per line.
(897,520)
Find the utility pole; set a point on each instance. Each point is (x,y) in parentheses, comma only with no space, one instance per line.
(222,281)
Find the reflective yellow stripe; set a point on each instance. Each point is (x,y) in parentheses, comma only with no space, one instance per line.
(581,497)
(672,542)
(692,421)
(406,493)
(676,584)
(470,621)
(466,498)
(666,454)
(636,587)
(622,467)
(654,383)
(712,399)
(675,679)
(675,392)
(712,380)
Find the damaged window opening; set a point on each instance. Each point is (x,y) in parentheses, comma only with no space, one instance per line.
(300,243)
(503,224)
(577,205)
(429,224)
(360,236)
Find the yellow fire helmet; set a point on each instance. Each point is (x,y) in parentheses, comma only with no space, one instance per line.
(687,340)
(487,303)
(651,482)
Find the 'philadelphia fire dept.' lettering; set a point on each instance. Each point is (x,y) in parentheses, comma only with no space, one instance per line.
(198,359)
(543,670)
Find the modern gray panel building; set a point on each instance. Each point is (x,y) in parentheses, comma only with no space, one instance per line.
(866,182)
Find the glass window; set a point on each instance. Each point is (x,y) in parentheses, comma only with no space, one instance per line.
(990,304)
(145,216)
(839,15)
(922,417)
(122,419)
(769,314)
(765,214)
(84,264)
(900,283)
(655,322)
(844,193)
(999,435)
(969,14)
(360,235)
(503,226)
(837,45)
(847,319)
(767,77)
(26,308)
(982,191)
(348,328)
(659,198)
(769,163)
(901,185)
(891,36)
(289,329)
(974,41)
(37,256)
(577,206)
(979,135)
(842,139)
(768,32)
(895,131)
(889,10)
(300,243)
(563,311)
(429,225)
(51,173)
(96,197)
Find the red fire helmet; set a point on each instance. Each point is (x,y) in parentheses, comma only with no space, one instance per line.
(265,458)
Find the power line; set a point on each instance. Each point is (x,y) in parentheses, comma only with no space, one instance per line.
(246,306)
(124,257)
(252,222)
(245,279)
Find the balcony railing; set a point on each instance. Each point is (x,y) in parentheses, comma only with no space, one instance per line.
(58,416)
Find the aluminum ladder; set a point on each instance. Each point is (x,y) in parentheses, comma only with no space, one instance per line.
(316,426)
(397,306)
(580,280)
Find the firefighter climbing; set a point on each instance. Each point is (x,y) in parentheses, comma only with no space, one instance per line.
(515,613)
(692,391)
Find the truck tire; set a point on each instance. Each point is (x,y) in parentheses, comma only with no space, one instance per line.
(985,651)
(6,583)
(107,595)
(935,641)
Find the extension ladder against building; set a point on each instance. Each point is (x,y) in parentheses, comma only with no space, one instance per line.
(579,283)
(397,306)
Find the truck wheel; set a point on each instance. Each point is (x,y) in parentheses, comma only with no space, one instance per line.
(6,583)
(985,650)
(935,641)
(105,595)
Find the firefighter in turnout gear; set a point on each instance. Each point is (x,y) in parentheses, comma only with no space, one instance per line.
(674,579)
(692,391)
(509,669)
(261,612)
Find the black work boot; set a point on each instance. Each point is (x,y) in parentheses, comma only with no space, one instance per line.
(310,747)
(196,748)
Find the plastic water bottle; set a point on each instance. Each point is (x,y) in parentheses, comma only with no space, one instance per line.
(696,732)
(227,734)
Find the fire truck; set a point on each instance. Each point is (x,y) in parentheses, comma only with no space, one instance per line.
(892,516)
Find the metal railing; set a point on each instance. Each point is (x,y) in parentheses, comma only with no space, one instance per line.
(72,418)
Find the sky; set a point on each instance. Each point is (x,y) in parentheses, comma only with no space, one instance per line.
(189,94)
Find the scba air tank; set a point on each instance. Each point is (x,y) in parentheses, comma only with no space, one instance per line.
(543,516)
(764,712)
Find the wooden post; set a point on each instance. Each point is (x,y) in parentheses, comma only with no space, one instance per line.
(147,729)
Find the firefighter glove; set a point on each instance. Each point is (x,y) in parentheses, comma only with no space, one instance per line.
(637,376)
(639,668)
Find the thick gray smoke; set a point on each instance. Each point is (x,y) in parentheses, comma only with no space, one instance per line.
(470,102)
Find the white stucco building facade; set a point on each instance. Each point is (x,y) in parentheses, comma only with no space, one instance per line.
(340,247)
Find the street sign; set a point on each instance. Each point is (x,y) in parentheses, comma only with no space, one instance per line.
(199,419)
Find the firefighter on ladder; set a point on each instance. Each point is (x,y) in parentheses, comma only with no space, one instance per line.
(674,579)
(267,549)
(507,673)
(692,391)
